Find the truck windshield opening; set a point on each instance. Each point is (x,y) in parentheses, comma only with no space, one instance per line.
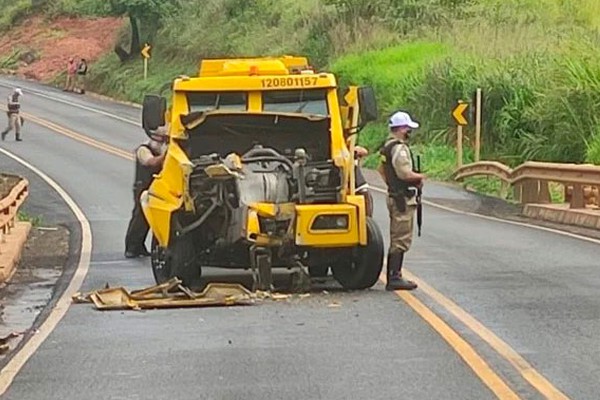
(203,101)
(311,101)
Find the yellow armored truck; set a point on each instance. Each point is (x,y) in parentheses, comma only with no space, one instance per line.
(259,174)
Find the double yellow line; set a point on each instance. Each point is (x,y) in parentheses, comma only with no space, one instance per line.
(470,356)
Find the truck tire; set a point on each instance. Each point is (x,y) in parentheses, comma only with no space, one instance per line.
(318,271)
(363,270)
(178,260)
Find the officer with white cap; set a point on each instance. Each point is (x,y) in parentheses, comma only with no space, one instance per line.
(397,169)
(149,158)
(14,117)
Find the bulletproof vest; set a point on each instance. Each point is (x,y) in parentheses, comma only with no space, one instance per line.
(396,186)
(14,105)
(145,174)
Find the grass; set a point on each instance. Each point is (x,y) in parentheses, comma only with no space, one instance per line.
(537,61)
(35,220)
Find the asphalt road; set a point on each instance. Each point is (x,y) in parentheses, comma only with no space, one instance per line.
(536,290)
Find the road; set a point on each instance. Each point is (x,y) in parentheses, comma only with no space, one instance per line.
(503,310)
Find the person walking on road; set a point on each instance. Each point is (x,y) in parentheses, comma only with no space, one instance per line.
(397,170)
(149,158)
(14,114)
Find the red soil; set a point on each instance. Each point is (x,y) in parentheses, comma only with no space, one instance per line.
(55,41)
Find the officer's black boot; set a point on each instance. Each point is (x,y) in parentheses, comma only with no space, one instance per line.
(4,133)
(18,138)
(394,274)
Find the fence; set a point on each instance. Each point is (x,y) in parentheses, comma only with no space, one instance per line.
(9,207)
(530,180)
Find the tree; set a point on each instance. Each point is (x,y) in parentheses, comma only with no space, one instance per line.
(145,17)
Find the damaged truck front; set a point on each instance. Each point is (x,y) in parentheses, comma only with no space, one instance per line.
(259,174)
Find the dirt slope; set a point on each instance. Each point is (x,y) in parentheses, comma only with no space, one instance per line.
(45,46)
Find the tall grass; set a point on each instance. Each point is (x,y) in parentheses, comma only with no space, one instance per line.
(536,60)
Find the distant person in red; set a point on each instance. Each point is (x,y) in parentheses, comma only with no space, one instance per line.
(71,70)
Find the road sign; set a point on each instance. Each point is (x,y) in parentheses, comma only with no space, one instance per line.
(146,51)
(458,113)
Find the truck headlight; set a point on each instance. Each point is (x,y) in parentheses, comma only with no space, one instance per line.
(330,222)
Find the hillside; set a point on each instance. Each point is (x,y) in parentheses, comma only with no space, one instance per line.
(536,60)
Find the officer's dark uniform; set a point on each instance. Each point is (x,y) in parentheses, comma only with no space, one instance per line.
(138,226)
(401,205)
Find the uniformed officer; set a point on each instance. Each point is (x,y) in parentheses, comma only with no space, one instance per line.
(148,161)
(398,172)
(14,116)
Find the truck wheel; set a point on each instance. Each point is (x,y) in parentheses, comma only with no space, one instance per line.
(160,268)
(318,271)
(363,269)
(178,260)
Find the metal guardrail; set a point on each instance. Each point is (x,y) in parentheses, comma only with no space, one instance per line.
(530,180)
(9,207)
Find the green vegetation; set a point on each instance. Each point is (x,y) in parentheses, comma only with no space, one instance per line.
(537,62)
(35,220)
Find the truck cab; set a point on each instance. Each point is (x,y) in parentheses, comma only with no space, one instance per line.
(259,173)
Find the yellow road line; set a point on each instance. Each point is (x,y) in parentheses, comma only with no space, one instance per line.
(79,137)
(529,373)
(483,371)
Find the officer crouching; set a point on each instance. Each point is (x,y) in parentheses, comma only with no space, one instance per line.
(149,158)
(397,169)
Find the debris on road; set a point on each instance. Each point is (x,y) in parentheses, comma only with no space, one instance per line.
(173,294)
(170,294)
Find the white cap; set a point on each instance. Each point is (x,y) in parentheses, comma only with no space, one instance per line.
(18,90)
(402,119)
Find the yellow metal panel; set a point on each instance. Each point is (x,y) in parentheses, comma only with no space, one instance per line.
(306,214)
(158,214)
(255,101)
(254,83)
(223,67)
(359,202)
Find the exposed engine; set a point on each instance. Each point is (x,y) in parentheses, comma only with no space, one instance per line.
(223,189)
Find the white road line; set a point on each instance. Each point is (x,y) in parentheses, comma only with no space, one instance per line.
(504,221)
(8,373)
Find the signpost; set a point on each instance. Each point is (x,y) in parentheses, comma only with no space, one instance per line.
(146,55)
(459,117)
(477,124)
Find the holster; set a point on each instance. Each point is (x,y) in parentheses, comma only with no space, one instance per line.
(400,201)
(400,198)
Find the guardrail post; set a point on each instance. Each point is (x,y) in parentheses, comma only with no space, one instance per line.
(577,198)
(530,191)
(544,193)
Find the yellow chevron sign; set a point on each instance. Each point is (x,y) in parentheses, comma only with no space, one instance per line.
(146,51)
(458,114)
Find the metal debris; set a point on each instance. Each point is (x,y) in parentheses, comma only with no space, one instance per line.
(170,294)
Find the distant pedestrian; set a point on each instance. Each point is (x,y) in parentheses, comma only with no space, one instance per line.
(397,169)
(82,69)
(14,114)
(71,70)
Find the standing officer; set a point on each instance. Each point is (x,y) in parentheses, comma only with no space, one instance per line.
(14,116)
(149,158)
(398,172)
